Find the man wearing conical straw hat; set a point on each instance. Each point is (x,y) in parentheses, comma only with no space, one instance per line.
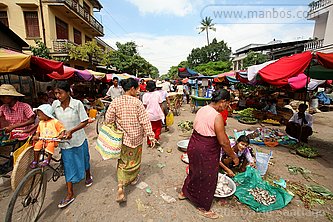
(14,115)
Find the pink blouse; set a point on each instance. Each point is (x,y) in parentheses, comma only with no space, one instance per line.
(204,121)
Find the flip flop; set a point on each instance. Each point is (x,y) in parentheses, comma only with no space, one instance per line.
(33,165)
(208,214)
(136,180)
(181,196)
(44,163)
(89,182)
(65,202)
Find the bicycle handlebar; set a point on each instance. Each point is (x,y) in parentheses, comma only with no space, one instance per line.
(52,139)
(105,101)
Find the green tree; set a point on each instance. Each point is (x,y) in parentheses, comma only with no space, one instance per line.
(216,51)
(40,50)
(254,58)
(89,51)
(127,59)
(213,68)
(206,25)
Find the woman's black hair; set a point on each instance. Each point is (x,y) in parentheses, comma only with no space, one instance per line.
(151,86)
(220,94)
(64,85)
(127,84)
(244,139)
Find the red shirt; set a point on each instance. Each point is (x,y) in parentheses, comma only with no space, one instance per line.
(19,113)
(224,114)
(143,87)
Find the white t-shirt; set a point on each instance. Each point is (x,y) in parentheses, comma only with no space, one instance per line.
(308,118)
(180,89)
(166,86)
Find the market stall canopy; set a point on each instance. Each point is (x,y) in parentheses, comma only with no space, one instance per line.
(298,82)
(186,72)
(320,72)
(68,73)
(279,72)
(97,75)
(12,61)
(252,71)
(221,77)
(325,59)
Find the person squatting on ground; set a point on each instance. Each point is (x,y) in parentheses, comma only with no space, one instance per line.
(244,153)
(152,101)
(75,152)
(204,148)
(48,127)
(130,116)
(300,124)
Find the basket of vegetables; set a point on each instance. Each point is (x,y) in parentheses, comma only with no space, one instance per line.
(307,151)
(186,125)
(248,120)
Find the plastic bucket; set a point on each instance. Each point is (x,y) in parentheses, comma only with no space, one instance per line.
(92,113)
(262,160)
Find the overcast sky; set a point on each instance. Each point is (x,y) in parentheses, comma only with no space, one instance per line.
(167,30)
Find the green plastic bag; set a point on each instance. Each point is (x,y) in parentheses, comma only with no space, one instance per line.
(251,179)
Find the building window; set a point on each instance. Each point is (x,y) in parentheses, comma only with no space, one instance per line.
(88,39)
(62,29)
(4,18)
(31,24)
(77,37)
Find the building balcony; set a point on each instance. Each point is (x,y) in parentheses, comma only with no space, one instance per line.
(319,7)
(313,45)
(76,11)
(60,46)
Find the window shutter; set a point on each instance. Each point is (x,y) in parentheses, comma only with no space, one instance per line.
(31,24)
(4,18)
(61,29)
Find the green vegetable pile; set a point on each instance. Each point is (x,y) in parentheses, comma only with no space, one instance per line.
(306,151)
(185,125)
(246,112)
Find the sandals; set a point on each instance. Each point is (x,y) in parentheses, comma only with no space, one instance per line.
(181,196)
(136,180)
(89,182)
(33,164)
(65,202)
(208,214)
(44,163)
(121,195)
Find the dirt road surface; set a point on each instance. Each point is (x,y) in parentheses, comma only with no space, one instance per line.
(97,203)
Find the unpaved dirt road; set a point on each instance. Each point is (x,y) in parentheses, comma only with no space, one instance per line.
(97,203)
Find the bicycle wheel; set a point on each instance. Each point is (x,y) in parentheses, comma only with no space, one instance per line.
(99,122)
(28,197)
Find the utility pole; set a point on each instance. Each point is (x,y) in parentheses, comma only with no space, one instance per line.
(42,18)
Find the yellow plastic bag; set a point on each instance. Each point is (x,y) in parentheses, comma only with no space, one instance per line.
(169,119)
(17,152)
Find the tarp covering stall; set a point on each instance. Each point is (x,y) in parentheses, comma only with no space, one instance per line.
(186,72)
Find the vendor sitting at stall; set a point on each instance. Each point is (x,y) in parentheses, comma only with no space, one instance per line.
(15,114)
(271,106)
(244,154)
(300,124)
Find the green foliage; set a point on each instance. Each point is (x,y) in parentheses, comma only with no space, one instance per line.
(89,51)
(207,24)
(127,59)
(254,58)
(216,51)
(213,68)
(40,50)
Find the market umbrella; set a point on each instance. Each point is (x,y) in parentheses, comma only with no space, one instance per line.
(325,59)
(84,74)
(97,75)
(186,72)
(12,61)
(68,73)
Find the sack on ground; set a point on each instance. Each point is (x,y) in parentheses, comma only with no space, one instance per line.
(169,119)
(109,142)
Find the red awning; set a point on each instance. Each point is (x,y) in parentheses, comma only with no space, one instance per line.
(279,72)
(325,59)
(68,72)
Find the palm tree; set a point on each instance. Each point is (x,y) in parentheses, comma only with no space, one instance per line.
(206,25)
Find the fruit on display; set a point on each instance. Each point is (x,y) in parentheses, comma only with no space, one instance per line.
(185,125)
(246,112)
(271,121)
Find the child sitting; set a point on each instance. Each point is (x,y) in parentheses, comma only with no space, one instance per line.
(244,153)
(48,127)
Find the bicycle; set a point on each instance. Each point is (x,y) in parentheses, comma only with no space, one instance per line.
(29,195)
(101,115)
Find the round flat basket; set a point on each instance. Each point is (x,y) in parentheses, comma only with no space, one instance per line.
(306,155)
(245,121)
(22,166)
(231,185)
(182,145)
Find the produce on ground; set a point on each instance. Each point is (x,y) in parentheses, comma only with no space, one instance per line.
(246,112)
(307,151)
(271,121)
(185,125)
(262,196)
(248,120)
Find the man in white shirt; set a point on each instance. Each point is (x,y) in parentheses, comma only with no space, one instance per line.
(300,124)
(115,90)
(166,85)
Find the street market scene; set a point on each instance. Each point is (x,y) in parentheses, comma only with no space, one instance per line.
(105,117)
